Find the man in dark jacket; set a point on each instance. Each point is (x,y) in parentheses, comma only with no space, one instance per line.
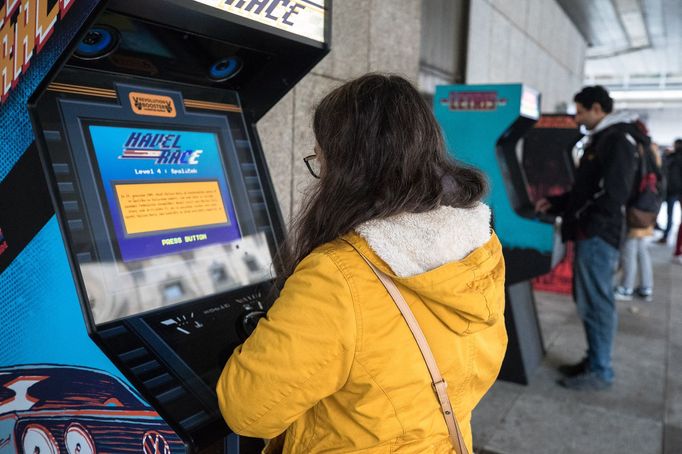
(672,167)
(593,216)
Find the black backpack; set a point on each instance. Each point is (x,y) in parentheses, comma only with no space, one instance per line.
(647,193)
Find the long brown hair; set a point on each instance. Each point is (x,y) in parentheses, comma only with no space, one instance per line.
(382,154)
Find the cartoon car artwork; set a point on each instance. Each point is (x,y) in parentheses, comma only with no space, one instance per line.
(48,409)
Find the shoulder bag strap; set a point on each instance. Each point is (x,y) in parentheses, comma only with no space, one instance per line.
(438,382)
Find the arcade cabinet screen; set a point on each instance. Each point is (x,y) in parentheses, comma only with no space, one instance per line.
(165,189)
(175,234)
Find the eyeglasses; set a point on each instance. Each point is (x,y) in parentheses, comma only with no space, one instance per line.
(313,165)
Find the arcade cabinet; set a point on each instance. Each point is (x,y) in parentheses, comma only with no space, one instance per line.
(483,126)
(148,141)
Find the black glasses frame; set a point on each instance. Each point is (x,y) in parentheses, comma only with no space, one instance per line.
(307,160)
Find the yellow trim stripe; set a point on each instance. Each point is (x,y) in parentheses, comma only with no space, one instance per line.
(84,87)
(197,104)
(81,90)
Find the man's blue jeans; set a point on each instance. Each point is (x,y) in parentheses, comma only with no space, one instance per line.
(593,270)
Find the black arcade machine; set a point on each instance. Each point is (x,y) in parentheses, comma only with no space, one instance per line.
(148,140)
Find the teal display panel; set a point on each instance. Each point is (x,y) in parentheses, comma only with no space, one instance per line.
(483,127)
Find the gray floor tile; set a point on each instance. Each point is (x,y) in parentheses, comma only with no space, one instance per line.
(537,424)
(673,411)
(490,413)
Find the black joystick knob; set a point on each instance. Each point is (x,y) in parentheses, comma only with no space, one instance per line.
(249,321)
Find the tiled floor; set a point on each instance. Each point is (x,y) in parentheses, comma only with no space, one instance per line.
(641,414)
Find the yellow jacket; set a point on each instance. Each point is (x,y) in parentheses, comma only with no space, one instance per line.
(336,366)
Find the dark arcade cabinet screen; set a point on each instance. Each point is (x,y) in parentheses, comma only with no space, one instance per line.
(547,160)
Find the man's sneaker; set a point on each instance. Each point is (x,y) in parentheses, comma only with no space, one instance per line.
(677,259)
(588,381)
(662,240)
(645,293)
(571,370)
(623,294)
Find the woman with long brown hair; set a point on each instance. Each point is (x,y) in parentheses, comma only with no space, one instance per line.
(334,366)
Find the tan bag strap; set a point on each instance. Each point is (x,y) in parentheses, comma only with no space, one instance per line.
(439,384)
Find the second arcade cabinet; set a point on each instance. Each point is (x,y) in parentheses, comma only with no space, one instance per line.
(169,217)
(483,127)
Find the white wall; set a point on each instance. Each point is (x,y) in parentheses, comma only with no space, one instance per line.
(367,35)
(529,41)
(664,124)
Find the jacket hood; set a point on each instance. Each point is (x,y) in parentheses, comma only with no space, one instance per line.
(621,116)
(624,121)
(414,243)
(624,117)
(448,256)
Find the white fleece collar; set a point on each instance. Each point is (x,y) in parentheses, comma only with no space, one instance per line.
(621,116)
(413,243)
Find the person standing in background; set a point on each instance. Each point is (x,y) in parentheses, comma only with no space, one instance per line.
(593,216)
(672,168)
(635,253)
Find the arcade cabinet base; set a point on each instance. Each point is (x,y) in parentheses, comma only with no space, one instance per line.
(525,348)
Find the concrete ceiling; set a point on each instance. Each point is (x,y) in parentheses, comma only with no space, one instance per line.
(634,44)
